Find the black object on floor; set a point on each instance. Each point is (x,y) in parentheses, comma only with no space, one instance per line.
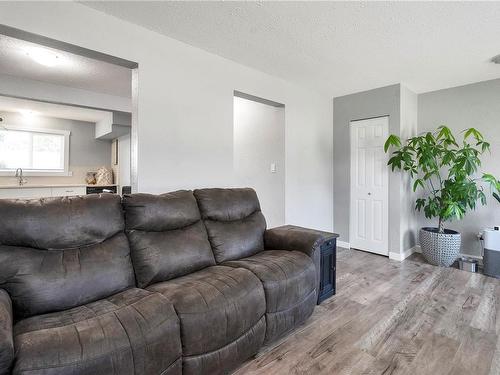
(328,270)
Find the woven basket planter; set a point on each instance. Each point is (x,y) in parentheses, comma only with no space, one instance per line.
(440,249)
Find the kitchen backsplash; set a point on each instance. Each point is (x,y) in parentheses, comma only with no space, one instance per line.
(78,177)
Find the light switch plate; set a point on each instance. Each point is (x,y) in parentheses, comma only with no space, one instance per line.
(273,167)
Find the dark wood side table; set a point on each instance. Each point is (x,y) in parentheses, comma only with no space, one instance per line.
(327,269)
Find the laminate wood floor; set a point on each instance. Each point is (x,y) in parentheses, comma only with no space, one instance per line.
(393,317)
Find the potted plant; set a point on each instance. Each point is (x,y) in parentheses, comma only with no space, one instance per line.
(446,171)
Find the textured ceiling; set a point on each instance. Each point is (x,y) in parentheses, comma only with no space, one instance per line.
(74,70)
(336,47)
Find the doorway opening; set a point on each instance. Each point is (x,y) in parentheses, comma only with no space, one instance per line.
(259,152)
(49,87)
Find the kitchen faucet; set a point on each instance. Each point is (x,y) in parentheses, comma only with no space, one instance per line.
(20,179)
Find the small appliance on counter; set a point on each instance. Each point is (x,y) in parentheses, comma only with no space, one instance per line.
(491,257)
(97,189)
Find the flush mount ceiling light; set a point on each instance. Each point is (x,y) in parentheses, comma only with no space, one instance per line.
(496,59)
(44,56)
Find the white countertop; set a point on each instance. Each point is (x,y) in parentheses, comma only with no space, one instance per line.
(28,185)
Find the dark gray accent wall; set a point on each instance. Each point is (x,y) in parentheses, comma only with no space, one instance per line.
(384,101)
(475,105)
(84,149)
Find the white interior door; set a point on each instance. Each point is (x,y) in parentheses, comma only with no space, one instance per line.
(369,207)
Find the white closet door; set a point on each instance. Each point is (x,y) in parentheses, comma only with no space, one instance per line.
(369,206)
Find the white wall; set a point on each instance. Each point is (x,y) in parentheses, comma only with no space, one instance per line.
(408,218)
(185,98)
(124,160)
(259,140)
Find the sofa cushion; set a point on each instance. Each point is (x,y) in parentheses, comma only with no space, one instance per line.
(215,306)
(133,332)
(234,222)
(289,280)
(6,340)
(167,237)
(58,253)
(228,358)
(60,223)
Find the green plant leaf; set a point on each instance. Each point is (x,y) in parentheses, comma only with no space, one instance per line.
(468,133)
(487,177)
(418,182)
(392,140)
(497,197)
(420,202)
(474,133)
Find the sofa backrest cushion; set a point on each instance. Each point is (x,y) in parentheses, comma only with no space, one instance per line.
(167,237)
(234,222)
(58,253)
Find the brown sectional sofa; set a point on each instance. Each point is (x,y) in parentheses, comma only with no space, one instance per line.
(179,283)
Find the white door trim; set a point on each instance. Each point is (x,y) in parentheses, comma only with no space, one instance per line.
(370,243)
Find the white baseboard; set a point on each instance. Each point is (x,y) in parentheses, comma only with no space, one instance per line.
(343,244)
(402,256)
(395,256)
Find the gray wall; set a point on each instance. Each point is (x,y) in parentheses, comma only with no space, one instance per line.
(383,101)
(84,149)
(476,105)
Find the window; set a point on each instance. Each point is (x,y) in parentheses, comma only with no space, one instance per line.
(36,151)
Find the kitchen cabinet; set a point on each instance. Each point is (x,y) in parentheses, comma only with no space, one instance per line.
(12,192)
(68,190)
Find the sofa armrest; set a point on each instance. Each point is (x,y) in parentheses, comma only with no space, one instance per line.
(308,241)
(6,338)
(291,237)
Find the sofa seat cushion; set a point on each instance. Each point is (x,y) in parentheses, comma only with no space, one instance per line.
(228,358)
(132,332)
(287,276)
(289,280)
(215,306)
